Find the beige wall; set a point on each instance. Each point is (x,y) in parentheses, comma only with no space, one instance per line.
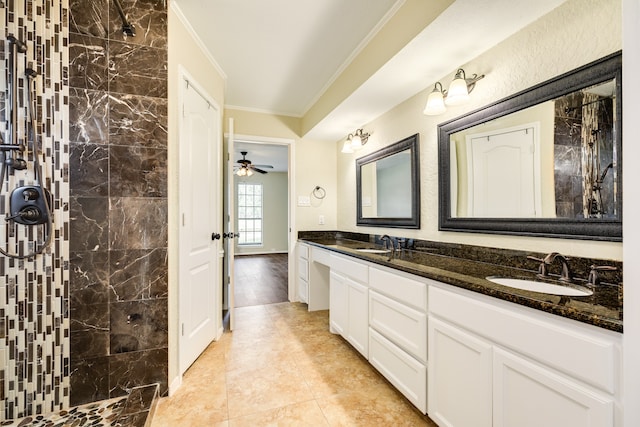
(577,32)
(183,51)
(314,165)
(275,213)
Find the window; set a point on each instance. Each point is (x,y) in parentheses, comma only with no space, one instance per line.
(250,214)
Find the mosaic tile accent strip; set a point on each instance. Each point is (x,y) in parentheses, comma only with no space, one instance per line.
(34,317)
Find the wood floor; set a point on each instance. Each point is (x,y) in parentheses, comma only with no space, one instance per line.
(260,279)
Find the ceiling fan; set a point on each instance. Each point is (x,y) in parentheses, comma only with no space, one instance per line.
(246,168)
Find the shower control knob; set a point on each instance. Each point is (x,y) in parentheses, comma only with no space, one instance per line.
(31,214)
(30,194)
(215,236)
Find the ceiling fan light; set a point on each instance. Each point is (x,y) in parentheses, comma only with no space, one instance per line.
(241,172)
(249,172)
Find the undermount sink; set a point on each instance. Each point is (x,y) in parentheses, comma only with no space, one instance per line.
(373,251)
(542,287)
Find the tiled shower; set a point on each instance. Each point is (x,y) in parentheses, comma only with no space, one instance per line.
(87,321)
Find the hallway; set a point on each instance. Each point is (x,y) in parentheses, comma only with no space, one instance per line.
(282,366)
(260,279)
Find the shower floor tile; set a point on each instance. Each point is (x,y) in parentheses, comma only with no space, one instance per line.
(126,411)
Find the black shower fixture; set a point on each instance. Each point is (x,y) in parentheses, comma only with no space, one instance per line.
(127,28)
(30,205)
(21,47)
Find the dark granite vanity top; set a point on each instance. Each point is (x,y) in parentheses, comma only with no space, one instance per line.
(467,267)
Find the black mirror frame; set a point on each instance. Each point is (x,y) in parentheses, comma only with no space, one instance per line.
(599,71)
(411,143)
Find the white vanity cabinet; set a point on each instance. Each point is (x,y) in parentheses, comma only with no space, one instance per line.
(303,273)
(398,331)
(491,364)
(349,302)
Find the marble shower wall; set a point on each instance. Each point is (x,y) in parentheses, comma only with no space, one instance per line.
(118,182)
(34,316)
(572,135)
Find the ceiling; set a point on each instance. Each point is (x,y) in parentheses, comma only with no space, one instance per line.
(279,56)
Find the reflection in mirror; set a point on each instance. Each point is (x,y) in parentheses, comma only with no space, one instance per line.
(387,186)
(545,161)
(380,183)
(553,160)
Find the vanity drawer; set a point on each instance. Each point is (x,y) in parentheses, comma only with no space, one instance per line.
(303,269)
(400,287)
(353,269)
(403,371)
(403,325)
(303,290)
(303,251)
(321,256)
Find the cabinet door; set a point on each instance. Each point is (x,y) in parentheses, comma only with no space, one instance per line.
(459,377)
(358,316)
(338,300)
(530,395)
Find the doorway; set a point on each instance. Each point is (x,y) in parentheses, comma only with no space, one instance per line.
(259,216)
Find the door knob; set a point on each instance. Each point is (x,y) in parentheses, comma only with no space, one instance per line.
(215,236)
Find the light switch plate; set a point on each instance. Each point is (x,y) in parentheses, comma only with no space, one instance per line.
(304,201)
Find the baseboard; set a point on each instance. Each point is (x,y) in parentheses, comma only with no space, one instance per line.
(260,253)
(175,385)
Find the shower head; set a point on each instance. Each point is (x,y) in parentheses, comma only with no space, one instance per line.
(127,28)
(20,45)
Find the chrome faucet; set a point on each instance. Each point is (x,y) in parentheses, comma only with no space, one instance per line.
(543,269)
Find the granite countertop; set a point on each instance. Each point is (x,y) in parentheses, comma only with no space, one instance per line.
(602,309)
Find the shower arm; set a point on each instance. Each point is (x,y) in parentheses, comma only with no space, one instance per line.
(127,27)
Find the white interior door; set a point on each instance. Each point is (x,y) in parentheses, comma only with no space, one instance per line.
(200,275)
(229,226)
(505,181)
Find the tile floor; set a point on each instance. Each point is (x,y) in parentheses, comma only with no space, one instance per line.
(281,366)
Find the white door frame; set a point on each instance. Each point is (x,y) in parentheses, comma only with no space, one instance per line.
(291,174)
(184,76)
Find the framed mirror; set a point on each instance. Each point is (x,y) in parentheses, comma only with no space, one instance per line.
(543,162)
(388,186)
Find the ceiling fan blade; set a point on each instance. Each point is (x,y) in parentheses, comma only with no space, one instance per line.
(264,166)
(258,170)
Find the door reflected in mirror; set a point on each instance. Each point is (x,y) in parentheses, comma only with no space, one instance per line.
(556,159)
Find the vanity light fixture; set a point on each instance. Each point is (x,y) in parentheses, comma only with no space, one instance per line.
(457,94)
(355,141)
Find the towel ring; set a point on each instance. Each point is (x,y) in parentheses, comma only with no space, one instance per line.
(319,192)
